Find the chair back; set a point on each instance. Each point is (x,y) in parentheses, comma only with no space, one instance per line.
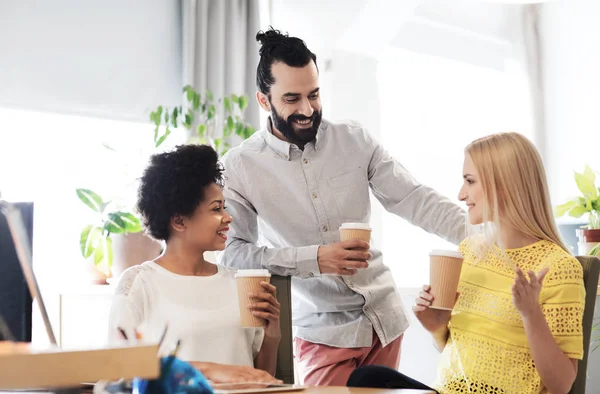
(591,271)
(285,353)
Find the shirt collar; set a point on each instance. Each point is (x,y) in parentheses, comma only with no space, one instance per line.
(283,148)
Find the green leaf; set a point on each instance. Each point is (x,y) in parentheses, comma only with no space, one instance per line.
(243,100)
(201,130)
(196,101)
(227,104)
(217,144)
(230,123)
(595,252)
(588,173)
(108,252)
(89,239)
(99,250)
(159,111)
(103,254)
(578,211)
(209,95)
(226,131)
(249,130)
(155,135)
(114,223)
(83,241)
(188,121)
(167,117)
(189,91)
(586,185)
(211,112)
(163,137)
(239,129)
(564,208)
(91,199)
(174,117)
(132,223)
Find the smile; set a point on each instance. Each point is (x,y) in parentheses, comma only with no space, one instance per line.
(303,122)
(221,233)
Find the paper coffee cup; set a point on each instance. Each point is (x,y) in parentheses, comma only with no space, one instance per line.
(444,274)
(248,281)
(350,231)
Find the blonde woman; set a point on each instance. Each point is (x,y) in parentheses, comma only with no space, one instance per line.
(517,323)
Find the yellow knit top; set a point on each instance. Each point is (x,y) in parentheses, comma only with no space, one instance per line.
(487,349)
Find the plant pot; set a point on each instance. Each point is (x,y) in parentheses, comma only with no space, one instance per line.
(588,239)
(132,249)
(93,274)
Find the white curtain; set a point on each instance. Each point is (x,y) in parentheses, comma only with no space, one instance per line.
(220,52)
(524,28)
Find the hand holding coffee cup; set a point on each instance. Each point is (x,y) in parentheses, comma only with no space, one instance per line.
(266,307)
(352,231)
(433,320)
(343,258)
(256,308)
(348,255)
(444,275)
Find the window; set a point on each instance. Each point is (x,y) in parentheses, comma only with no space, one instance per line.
(431,108)
(44,157)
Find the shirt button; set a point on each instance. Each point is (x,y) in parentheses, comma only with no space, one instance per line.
(325,228)
(311,274)
(315,196)
(305,161)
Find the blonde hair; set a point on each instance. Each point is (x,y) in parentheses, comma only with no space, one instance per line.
(514,185)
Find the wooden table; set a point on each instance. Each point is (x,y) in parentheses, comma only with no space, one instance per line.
(354,390)
(315,390)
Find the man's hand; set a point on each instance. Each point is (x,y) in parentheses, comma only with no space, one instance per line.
(343,258)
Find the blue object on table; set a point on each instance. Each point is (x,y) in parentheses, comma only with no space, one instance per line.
(176,377)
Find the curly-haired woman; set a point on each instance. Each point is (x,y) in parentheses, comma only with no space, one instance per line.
(181,203)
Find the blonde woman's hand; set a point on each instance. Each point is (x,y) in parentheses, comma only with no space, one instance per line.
(433,320)
(526,293)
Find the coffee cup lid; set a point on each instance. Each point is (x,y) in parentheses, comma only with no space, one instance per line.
(252,273)
(355,226)
(448,253)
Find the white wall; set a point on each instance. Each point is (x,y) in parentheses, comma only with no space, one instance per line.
(419,358)
(570,37)
(352,93)
(105,58)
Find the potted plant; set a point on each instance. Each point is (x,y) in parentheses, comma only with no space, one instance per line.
(121,226)
(214,123)
(218,124)
(588,203)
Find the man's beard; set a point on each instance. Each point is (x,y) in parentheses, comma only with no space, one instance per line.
(295,135)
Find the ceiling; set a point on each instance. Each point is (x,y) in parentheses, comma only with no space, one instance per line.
(366,26)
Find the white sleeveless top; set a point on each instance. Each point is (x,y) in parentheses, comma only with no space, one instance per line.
(201,311)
